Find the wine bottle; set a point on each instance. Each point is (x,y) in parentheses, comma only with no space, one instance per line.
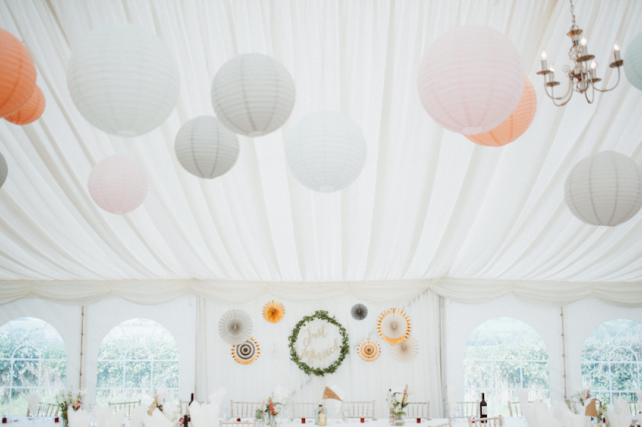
(192,399)
(483,408)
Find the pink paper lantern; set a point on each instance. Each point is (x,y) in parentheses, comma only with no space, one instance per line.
(471,79)
(118,185)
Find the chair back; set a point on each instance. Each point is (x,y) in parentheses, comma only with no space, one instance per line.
(358,410)
(303,410)
(45,410)
(244,409)
(515,409)
(486,422)
(127,406)
(418,410)
(634,408)
(465,409)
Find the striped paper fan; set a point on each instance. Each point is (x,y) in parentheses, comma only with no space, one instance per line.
(369,350)
(394,326)
(246,353)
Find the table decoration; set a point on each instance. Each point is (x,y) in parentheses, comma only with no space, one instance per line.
(406,351)
(359,311)
(32,399)
(584,403)
(319,345)
(397,402)
(273,311)
(66,400)
(246,353)
(369,350)
(159,400)
(333,398)
(235,327)
(394,326)
(272,409)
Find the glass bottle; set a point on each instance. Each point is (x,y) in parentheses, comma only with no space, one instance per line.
(483,408)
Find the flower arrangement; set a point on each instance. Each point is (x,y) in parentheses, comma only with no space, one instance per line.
(159,400)
(66,400)
(579,400)
(272,408)
(397,402)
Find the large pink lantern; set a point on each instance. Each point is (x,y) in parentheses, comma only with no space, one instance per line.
(118,185)
(471,79)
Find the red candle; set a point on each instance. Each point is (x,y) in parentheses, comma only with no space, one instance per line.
(238,420)
(418,420)
(302,420)
(363,420)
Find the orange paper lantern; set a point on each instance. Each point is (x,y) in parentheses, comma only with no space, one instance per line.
(17,74)
(515,125)
(31,111)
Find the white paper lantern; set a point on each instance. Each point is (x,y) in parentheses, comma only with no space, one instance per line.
(604,189)
(118,185)
(326,151)
(123,80)
(471,79)
(4,170)
(633,62)
(206,148)
(253,94)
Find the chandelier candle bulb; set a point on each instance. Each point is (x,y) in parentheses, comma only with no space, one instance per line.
(584,42)
(616,52)
(544,60)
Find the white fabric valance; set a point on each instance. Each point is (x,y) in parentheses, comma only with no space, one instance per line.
(468,291)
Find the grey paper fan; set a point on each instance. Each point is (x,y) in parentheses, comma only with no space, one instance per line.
(359,311)
(406,351)
(235,327)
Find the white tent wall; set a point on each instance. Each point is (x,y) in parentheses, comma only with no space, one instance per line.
(360,380)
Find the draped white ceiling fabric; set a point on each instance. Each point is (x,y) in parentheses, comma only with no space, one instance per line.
(431,210)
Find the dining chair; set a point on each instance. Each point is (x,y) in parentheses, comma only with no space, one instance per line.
(127,406)
(303,410)
(358,410)
(486,422)
(418,410)
(634,408)
(45,410)
(244,409)
(515,409)
(465,409)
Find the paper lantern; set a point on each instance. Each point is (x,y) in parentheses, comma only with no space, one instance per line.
(471,79)
(247,352)
(394,326)
(118,185)
(123,80)
(515,125)
(17,74)
(235,327)
(4,170)
(273,312)
(359,311)
(369,350)
(406,351)
(253,94)
(633,62)
(31,111)
(326,151)
(604,189)
(206,148)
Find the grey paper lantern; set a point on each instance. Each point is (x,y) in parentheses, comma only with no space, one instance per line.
(235,327)
(326,151)
(604,189)
(359,311)
(205,148)
(633,62)
(253,94)
(123,79)
(4,170)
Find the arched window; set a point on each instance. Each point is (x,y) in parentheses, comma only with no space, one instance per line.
(135,358)
(33,357)
(502,355)
(611,359)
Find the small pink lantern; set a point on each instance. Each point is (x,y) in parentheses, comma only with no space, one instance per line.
(471,79)
(118,185)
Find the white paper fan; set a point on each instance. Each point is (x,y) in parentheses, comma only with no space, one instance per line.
(235,327)
(406,351)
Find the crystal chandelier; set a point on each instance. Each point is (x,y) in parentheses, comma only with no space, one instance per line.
(582,77)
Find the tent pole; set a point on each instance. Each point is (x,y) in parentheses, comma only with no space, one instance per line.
(82,345)
(563,352)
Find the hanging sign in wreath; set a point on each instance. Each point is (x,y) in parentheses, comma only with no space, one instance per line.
(319,344)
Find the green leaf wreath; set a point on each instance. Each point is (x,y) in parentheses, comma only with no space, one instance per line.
(345,347)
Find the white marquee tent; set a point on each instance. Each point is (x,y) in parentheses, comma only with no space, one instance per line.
(433,224)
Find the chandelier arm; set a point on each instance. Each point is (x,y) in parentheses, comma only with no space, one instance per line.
(616,83)
(590,101)
(552,96)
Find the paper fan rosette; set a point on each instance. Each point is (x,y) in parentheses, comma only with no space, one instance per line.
(359,311)
(394,326)
(406,351)
(246,353)
(273,311)
(235,327)
(369,350)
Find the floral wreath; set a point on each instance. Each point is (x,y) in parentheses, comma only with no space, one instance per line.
(345,347)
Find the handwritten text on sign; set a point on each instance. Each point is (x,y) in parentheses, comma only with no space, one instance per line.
(319,344)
